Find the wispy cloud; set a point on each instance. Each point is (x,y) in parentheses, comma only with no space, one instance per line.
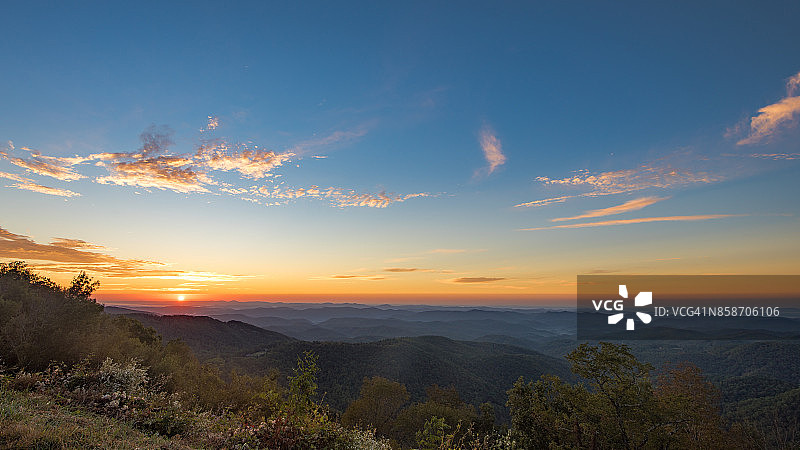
(646,176)
(58,168)
(793,84)
(413,269)
(545,202)
(448,250)
(476,279)
(631,205)
(776,156)
(337,197)
(353,277)
(65,255)
(492,149)
(15,177)
(630,180)
(435,251)
(253,164)
(213,123)
(155,166)
(334,138)
(163,172)
(76,244)
(640,220)
(772,118)
(33,187)
(27,184)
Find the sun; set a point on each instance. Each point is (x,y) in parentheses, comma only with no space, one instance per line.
(181,298)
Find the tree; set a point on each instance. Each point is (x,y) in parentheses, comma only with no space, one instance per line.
(303,384)
(485,423)
(82,287)
(442,403)
(433,435)
(377,405)
(551,411)
(691,404)
(624,393)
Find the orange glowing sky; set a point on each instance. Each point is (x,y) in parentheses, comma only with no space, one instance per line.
(320,153)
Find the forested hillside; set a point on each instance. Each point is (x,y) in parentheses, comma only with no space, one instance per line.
(73,376)
(481,371)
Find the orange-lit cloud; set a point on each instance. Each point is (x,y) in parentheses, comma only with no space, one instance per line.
(646,176)
(380,200)
(45,189)
(476,279)
(253,164)
(354,277)
(492,149)
(640,220)
(14,177)
(163,172)
(74,255)
(545,202)
(631,205)
(58,168)
(772,118)
(338,197)
(213,123)
(76,244)
(17,246)
(153,165)
(630,180)
(412,269)
(41,167)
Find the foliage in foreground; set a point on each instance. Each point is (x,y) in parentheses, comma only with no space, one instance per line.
(57,344)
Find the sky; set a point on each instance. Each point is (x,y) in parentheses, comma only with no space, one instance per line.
(405,152)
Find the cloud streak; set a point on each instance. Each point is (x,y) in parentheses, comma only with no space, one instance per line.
(646,176)
(608,223)
(33,187)
(476,279)
(630,180)
(413,269)
(631,205)
(65,255)
(337,197)
(57,168)
(776,156)
(354,277)
(545,202)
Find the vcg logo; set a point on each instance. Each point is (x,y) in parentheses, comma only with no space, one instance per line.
(641,299)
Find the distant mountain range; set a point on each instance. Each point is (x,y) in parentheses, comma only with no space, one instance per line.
(480,351)
(350,323)
(480,371)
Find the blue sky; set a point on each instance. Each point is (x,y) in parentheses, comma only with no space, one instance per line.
(477,120)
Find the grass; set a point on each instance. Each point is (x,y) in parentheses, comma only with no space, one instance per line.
(31,420)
